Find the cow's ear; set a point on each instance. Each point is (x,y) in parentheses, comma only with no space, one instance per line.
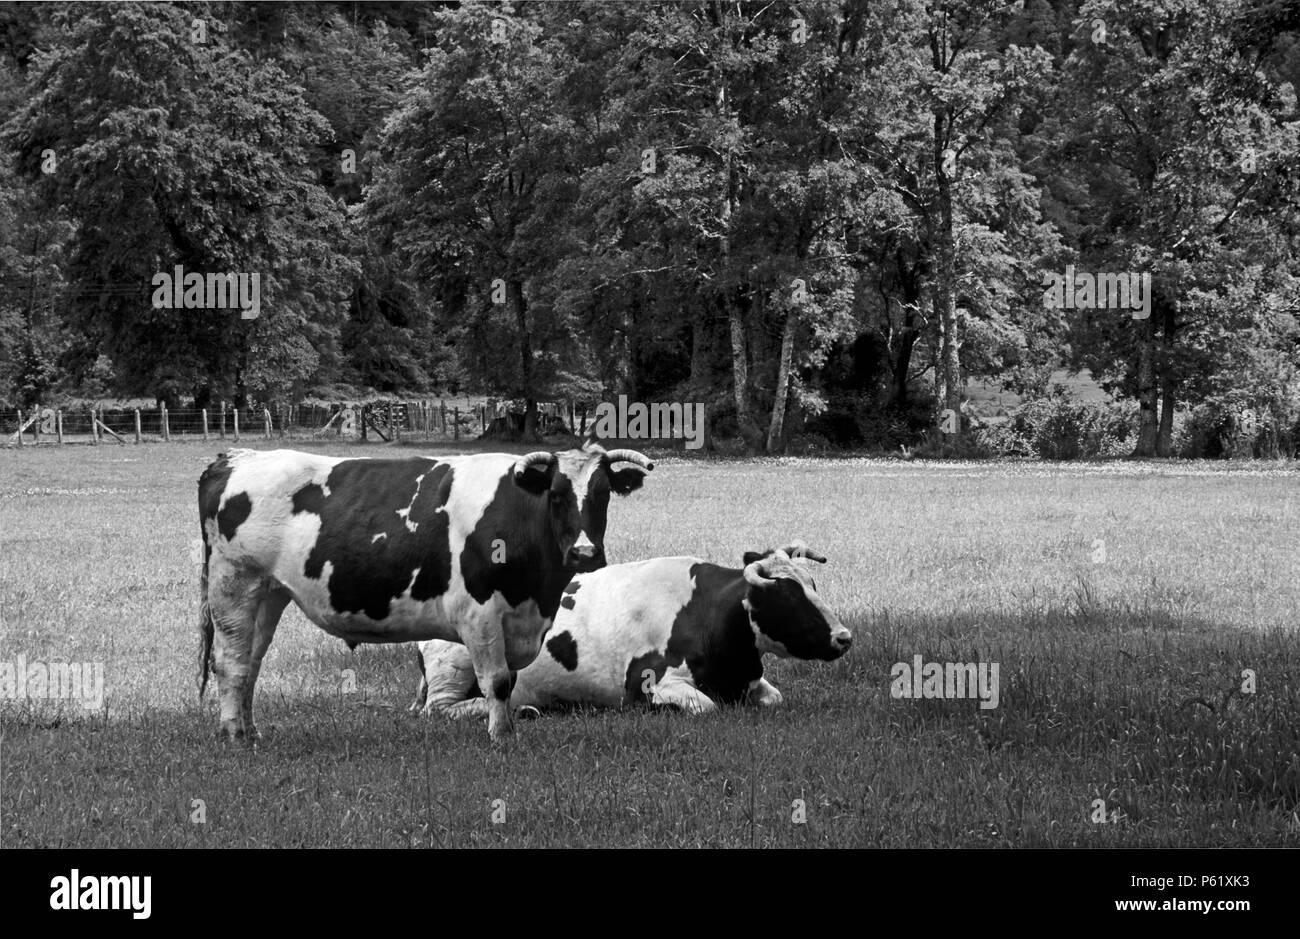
(752,556)
(535,479)
(628,479)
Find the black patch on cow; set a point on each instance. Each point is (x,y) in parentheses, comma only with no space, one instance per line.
(563,648)
(567,601)
(533,568)
(711,635)
(233,514)
(365,497)
(212,486)
(783,612)
(502,687)
(310,498)
(633,692)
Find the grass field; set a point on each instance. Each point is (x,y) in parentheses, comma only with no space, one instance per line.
(1121,601)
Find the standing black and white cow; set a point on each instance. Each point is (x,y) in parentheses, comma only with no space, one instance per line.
(669,631)
(475,549)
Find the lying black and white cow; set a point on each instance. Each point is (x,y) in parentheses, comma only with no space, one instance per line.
(673,631)
(469,548)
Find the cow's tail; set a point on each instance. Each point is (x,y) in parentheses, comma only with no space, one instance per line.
(205,630)
(211,484)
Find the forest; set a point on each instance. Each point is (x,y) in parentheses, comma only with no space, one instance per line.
(830,223)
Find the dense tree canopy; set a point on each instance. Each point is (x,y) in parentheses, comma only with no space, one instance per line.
(827,219)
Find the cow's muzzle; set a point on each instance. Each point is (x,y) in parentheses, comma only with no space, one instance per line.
(582,558)
(841,639)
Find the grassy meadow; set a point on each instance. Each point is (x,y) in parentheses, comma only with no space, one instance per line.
(1122,602)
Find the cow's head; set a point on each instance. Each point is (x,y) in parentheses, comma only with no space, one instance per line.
(577,484)
(789,618)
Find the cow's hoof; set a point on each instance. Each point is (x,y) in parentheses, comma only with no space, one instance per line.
(526,712)
(235,735)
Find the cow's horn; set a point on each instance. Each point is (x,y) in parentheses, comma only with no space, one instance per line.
(629,456)
(536,458)
(754,574)
(797,549)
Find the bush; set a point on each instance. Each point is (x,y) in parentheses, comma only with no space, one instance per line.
(1229,430)
(1057,428)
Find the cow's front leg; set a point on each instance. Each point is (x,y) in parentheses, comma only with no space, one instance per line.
(764,694)
(486,645)
(677,690)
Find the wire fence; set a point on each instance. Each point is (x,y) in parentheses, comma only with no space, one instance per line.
(380,422)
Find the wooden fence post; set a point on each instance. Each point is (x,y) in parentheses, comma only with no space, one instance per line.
(205,425)
(455,421)
(94,427)
(36,425)
(20,427)
(442,412)
(235,413)
(266,423)
(221,428)
(137,425)
(166,425)
(58,425)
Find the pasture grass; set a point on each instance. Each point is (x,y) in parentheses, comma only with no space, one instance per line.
(1121,601)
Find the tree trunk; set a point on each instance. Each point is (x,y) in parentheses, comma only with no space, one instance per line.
(1147,389)
(777,428)
(700,371)
(902,364)
(905,342)
(735,316)
(525,359)
(945,295)
(739,363)
(1165,436)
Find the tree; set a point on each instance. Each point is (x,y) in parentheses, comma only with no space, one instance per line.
(167,147)
(1185,147)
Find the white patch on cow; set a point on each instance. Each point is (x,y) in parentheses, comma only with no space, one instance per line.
(405,514)
(379,537)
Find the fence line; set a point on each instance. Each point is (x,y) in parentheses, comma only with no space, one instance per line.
(378,422)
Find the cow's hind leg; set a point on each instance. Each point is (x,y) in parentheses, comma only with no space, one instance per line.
(234,602)
(448,684)
(240,624)
(274,600)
